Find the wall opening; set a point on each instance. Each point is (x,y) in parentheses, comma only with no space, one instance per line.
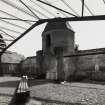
(48,41)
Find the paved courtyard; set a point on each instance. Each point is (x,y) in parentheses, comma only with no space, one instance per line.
(47,93)
(7,88)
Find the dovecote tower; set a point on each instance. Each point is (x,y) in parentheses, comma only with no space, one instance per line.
(58,37)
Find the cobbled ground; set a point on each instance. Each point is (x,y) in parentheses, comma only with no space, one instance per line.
(80,93)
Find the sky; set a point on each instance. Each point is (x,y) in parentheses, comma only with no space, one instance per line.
(88,35)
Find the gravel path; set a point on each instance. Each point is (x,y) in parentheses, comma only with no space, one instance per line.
(84,93)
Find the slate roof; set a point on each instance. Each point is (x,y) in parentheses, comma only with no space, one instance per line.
(57,25)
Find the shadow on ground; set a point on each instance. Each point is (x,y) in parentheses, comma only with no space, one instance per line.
(9,83)
(34,82)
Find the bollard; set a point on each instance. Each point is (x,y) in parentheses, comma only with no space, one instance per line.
(22,93)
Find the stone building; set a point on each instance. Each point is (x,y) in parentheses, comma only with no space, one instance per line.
(57,41)
(10,63)
(59,59)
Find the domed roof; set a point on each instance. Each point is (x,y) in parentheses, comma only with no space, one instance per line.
(57,25)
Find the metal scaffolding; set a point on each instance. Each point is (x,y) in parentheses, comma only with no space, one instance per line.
(27,15)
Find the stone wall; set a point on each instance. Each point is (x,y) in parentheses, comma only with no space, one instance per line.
(50,66)
(66,67)
(29,66)
(88,62)
(85,65)
(10,63)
